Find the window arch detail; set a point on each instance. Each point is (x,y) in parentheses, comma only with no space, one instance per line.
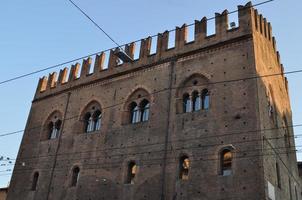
(35,181)
(137,107)
(131,172)
(75,176)
(184,167)
(193,94)
(226,161)
(92,117)
(53,126)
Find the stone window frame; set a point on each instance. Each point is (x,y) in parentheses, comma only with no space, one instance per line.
(95,112)
(53,120)
(137,97)
(195,83)
(232,149)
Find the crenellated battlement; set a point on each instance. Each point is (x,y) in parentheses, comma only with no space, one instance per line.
(107,64)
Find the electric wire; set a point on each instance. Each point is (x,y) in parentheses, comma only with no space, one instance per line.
(86,15)
(165,89)
(93,54)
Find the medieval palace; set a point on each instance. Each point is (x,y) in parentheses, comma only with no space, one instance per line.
(207,119)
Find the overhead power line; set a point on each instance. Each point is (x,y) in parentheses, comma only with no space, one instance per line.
(86,15)
(162,90)
(93,54)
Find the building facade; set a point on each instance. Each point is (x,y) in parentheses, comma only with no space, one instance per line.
(3,193)
(202,119)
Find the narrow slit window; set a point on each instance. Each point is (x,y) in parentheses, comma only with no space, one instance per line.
(35,181)
(75,176)
(132,170)
(184,166)
(226,162)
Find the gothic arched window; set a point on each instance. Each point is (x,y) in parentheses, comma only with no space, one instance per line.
(89,123)
(92,117)
(186,103)
(135,113)
(97,118)
(196,101)
(52,126)
(205,99)
(145,110)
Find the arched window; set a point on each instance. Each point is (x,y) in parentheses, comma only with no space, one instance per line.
(131,173)
(226,158)
(196,101)
(54,129)
(184,166)
(97,120)
(145,110)
(186,103)
(135,113)
(89,123)
(205,99)
(75,176)
(35,181)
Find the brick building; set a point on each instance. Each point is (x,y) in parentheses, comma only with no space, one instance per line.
(186,122)
(3,193)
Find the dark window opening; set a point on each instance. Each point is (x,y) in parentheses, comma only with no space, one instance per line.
(54,129)
(35,181)
(97,119)
(135,113)
(184,166)
(186,103)
(196,101)
(132,168)
(205,98)
(145,110)
(89,123)
(75,176)
(226,162)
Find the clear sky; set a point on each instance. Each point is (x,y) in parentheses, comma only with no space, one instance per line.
(37,34)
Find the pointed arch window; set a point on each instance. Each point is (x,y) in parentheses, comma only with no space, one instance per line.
(187,103)
(35,181)
(97,120)
(184,167)
(226,159)
(132,170)
(54,129)
(135,113)
(196,101)
(145,110)
(205,99)
(75,176)
(89,123)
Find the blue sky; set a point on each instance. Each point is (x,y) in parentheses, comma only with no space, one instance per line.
(37,34)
